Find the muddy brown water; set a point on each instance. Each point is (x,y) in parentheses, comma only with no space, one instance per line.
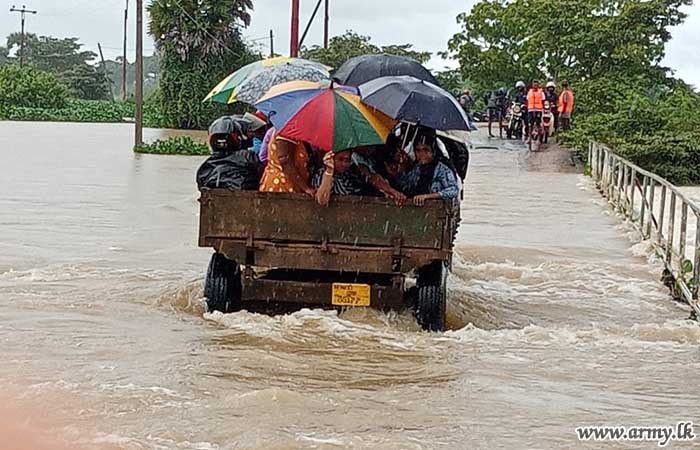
(558,320)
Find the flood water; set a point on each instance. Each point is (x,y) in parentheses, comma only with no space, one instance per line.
(559,320)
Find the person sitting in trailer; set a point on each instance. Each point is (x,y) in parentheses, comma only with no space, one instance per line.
(432,178)
(287,168)
(336,177)
(258,127)
(367,161)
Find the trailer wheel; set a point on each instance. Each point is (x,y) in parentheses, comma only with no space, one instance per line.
(432,296)
(222,287)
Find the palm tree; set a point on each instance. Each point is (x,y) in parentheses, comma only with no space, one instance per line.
(199,42)
(204,27)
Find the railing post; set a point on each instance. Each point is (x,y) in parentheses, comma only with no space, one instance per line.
(671,227)
(652,186)
(684,234)
(628,177)
(613,180)
(662,207)
(643,205)
(622,194)
(633,180)
(621,179)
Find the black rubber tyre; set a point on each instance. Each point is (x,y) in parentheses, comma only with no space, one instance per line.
(222,287)
(432,296)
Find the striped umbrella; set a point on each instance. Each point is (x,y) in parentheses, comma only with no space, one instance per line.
(251,82)
(329,117)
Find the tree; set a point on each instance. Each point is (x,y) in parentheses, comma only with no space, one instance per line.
(87,82)
(341,48)
(151,70)
(199,43)
(503,41)
(3,55)
(64,58)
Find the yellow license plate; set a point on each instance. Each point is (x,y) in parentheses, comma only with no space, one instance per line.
(346,294)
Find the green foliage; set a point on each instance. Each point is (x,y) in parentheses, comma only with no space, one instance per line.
(452,81)
(30,87)
(83,111)
(3,55)
(351,44)
(177,145)
(151,70)
(63,58)
(504,41)
(611,54)
(199,43)
(657,127)
(87,82)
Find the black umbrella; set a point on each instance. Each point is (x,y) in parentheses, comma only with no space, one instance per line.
(416,101)
(362,69)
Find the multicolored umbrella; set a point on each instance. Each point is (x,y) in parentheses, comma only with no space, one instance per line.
(251,82)
(329,117)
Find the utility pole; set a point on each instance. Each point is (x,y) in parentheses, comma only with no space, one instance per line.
(325,26)
(272,44)
(22,12)
(294,35)
(104,71)
(125,63)
(139,73)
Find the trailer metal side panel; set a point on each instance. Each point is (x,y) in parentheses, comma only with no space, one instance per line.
(251,216)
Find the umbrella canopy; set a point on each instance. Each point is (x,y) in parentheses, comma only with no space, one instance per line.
(362,69)
(329,117)
(412,100)
(251,82)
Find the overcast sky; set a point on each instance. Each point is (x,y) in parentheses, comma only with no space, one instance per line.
(426,24)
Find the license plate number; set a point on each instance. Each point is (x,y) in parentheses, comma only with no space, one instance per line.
(347,294)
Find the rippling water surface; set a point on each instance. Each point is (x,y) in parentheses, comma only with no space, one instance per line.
(557,317)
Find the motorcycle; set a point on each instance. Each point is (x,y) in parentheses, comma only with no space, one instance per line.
(515,121)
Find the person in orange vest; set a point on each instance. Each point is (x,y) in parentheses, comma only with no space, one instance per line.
(565,106)
(535,105)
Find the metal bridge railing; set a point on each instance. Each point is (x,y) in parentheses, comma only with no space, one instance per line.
(659,211)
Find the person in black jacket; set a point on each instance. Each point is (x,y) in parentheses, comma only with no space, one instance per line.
(231,166)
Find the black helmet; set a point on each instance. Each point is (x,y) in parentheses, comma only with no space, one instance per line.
(226,135)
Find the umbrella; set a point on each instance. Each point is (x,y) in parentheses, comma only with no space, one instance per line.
(251,82)
(416,101)
(362,69)
(329,117)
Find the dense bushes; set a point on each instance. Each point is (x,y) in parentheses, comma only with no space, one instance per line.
(177,145)
(27,93)
(31,88)
(83,111)
(654,124)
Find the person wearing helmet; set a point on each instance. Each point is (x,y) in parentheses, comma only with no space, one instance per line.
(520,94)
(551,96)
(231,166)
